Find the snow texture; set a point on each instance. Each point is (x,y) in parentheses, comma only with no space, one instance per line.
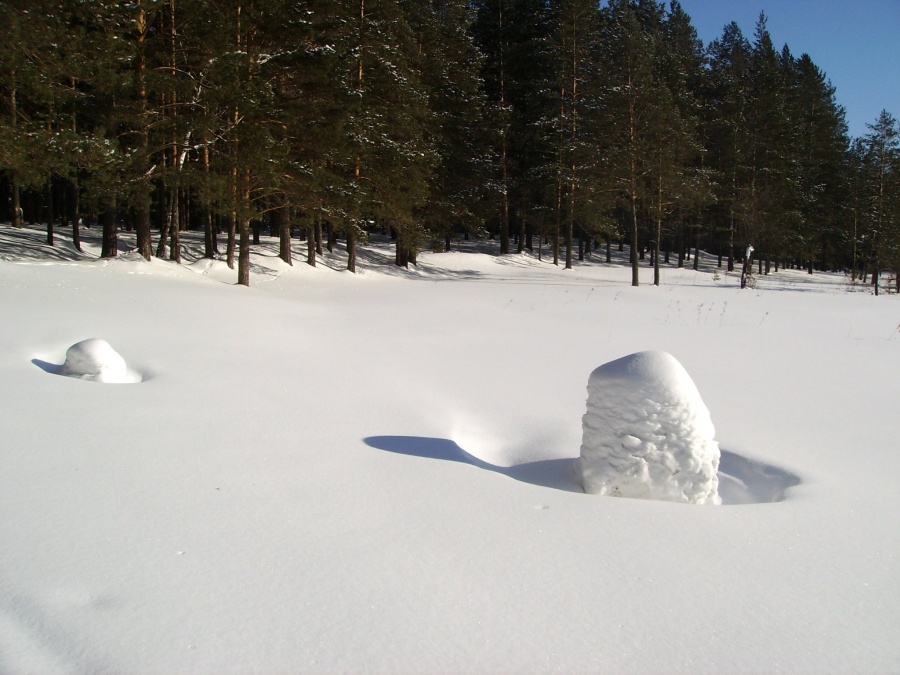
(96,360)
(647,433)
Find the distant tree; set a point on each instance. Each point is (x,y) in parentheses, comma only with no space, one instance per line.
(881,185)
(636,104)
(818,162)
(451,72)
(726,111)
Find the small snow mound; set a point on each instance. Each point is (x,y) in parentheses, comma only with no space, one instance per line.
(96,360)
(647,433)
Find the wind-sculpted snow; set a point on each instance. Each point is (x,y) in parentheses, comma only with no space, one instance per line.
(647,433)
(95,360)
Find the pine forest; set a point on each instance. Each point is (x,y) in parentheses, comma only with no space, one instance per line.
(565,127)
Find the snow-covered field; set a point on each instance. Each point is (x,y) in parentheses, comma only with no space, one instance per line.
(374,472)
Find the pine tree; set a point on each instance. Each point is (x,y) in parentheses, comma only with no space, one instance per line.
(573,42)
(766,205)
(451,74)
(882,194)
(727,104)
(634,109)
(819,153)
(386,157)
(514,36)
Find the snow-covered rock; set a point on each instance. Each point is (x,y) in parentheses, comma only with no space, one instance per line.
(96,360)
(647,433)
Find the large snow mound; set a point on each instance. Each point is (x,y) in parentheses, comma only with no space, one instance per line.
(647,433)
(95,359)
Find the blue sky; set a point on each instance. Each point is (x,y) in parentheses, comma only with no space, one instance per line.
(855,42)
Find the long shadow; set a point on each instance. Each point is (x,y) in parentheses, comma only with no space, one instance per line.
(558,474)
(47,367)
(741,480)
(132,377)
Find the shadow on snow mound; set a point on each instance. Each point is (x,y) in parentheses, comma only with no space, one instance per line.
(741,480)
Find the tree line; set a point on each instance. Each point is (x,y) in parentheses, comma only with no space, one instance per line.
(567,121)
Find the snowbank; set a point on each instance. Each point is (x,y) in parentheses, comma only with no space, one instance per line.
(96,360)
(647,433)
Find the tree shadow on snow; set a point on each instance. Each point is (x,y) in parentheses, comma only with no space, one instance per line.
(741,480)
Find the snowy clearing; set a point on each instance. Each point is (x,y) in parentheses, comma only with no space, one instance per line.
(376,472)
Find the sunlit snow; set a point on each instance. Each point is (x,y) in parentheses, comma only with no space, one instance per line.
(95,359)
(647,433)
(377,472)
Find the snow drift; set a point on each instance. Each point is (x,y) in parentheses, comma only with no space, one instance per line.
(95,359)
(647,433)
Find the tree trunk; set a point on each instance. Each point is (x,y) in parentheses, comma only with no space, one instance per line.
(143,237)
(244,253)
(110,245)
(311,242)
(244,244)
(351,248)
(570,225)
(284,234)
(520,248)
(747,268)
(210,242)
(175,250)
(50,214)
(635,278)
(230,246)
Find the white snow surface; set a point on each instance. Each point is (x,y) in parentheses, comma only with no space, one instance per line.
(372,473)
(95,359)
(647,433)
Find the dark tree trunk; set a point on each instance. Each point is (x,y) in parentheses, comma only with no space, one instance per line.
(351,248)
(244,253)
(50,214)
(635,278)
(210,241)
(166,226)
(311,243)
(174,230)
(110,245)
(230,246)
(16,200)
(143,237)
(747,267)
(570,227)
(520,248)
(282,219)
(76,218)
